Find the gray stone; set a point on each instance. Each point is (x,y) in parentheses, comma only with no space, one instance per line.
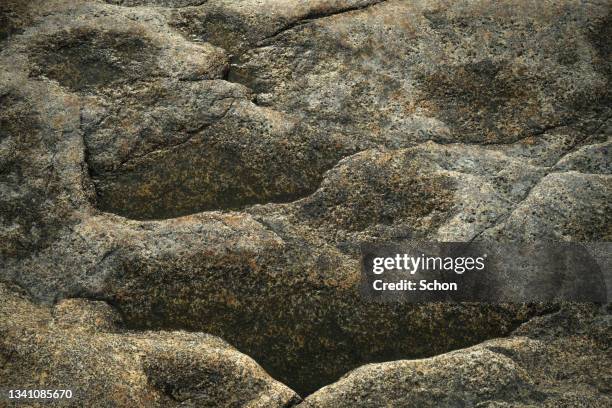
(214,166)
(78,346)
(559,360)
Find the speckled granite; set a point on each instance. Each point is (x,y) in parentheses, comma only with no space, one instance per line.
(214,165)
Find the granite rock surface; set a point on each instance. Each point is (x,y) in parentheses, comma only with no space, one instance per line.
(214,166)
(79,346)
(558,360)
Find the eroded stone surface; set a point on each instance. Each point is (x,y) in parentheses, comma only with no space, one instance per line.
(560,360)
(403,71)
(240,25)
(78,346)
(135,141)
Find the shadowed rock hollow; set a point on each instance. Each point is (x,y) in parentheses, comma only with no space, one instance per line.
(214,167)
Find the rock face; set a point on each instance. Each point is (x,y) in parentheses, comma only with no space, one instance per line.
(560,360)
(214,166)
(77,346)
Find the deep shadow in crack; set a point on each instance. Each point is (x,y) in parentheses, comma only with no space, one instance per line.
(325,351)
(197,177)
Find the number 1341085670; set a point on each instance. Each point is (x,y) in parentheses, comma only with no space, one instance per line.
(39,394)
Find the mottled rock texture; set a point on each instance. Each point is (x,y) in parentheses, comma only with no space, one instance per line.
(77,345)
(559,360)
(213,166)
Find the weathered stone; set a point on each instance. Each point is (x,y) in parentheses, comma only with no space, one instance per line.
(239,25)
(214,166)
(559,360)
(563,206)
(77,346)
(400,72)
